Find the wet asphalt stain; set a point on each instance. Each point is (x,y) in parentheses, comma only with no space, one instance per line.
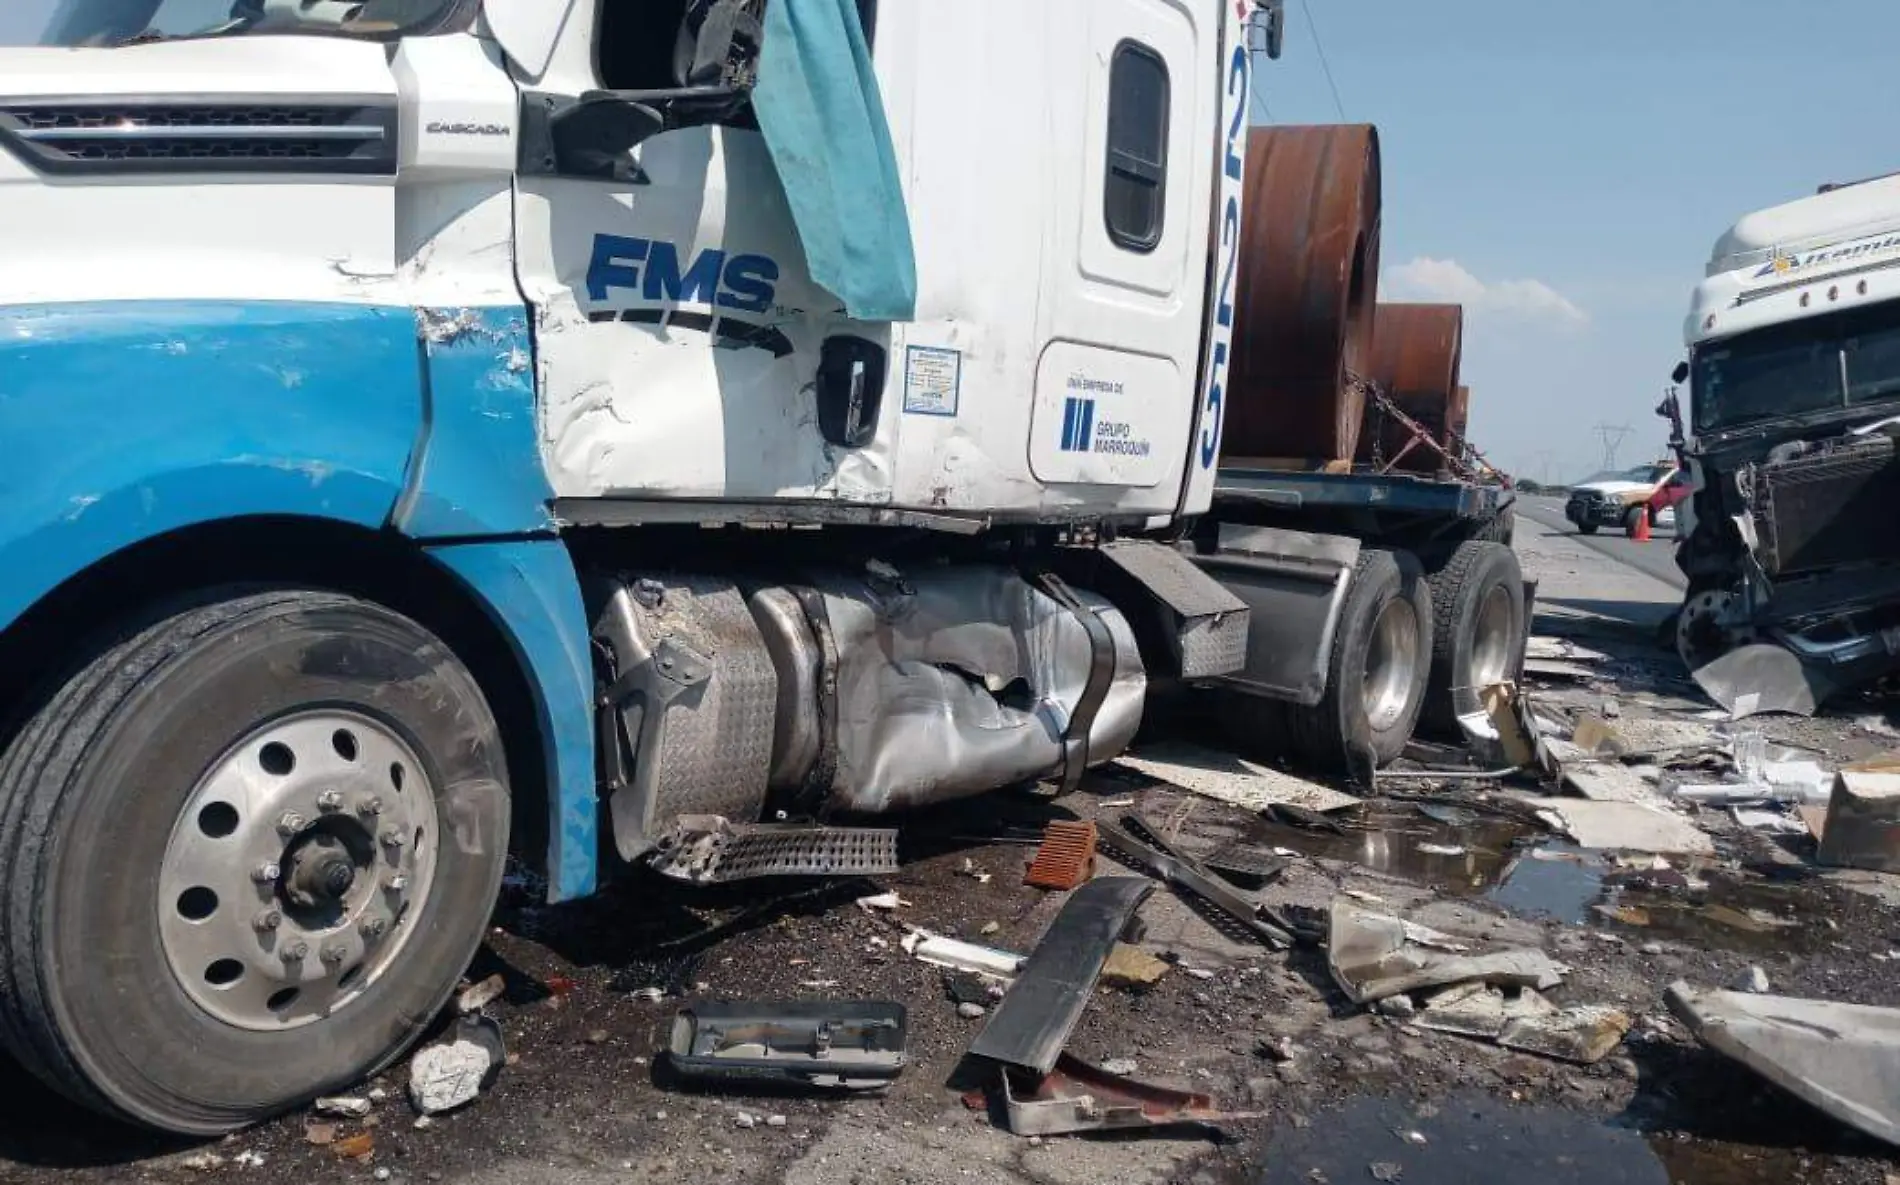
(1466,1140)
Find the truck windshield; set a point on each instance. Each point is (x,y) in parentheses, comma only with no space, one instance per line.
(1837,361)
(113,22)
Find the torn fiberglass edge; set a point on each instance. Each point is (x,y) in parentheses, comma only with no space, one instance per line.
(1843,1059)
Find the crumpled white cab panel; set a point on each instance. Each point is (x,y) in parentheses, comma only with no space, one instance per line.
(678,333)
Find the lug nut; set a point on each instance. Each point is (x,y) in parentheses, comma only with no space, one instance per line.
(391,837)
(294,952)
(330,800)
(264,874)
(396,884)
(335,954)
(289,823)
(267,920)
(374,928)
(370,807)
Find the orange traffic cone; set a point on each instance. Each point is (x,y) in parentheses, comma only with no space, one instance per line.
(1641,533)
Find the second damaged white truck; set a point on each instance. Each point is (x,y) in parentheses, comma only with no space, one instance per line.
(1794,373)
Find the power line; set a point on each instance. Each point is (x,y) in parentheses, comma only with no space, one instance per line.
(1259,96)
(1613,436)
(1324,65)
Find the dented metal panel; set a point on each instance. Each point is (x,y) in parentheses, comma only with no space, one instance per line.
(693,703)
(954,681)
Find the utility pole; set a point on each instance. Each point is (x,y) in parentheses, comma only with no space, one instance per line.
(1612,436)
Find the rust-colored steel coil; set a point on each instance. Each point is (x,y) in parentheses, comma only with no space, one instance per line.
(1458,420)
(1417,356)
(1307,284)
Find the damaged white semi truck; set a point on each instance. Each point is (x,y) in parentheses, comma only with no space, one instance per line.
(1794,380)
(637,436)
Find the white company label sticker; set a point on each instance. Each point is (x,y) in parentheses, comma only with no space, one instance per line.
(933,378)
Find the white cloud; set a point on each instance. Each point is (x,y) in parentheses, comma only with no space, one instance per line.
(1445,281)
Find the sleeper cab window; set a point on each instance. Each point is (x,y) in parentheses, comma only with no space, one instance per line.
(1137,187)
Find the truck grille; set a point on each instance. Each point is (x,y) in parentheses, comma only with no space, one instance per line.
(1829,508)
(115,136)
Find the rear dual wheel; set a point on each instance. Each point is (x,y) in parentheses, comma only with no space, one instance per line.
(1375,678)
(247,853)
(1479,632)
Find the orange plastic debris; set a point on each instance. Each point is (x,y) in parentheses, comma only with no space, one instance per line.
(1066,857)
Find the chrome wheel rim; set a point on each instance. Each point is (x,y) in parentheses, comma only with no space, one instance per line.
(1391,664)
(1492,635)
(291,872)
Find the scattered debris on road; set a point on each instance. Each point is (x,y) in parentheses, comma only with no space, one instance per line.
(1077,1097)
(843,1045)
(1842,1058)
(452,1071)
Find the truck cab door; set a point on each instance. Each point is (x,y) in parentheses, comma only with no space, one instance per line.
(679,338)
(1115,386)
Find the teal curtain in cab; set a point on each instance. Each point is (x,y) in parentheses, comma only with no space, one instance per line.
(819,106)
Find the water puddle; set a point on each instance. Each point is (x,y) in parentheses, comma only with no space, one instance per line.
(1457,1142)
(1516,866)
(1449,848)
(1553,880)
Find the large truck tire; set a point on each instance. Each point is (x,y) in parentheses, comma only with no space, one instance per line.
(1500,527)
(247,852)
(1375,679)
(1478,634)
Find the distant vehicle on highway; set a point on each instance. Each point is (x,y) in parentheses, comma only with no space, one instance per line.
(1619,499)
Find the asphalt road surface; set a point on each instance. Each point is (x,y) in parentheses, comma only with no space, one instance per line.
(1656,558)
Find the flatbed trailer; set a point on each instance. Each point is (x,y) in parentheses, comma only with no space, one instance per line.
(1437,501)
(1381,602)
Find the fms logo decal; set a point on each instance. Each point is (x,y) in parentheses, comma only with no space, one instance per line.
(650,270)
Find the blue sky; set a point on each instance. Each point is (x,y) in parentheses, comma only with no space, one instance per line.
(1565,168)
(1562,169)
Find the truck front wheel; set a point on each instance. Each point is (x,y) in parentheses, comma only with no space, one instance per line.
(247,852)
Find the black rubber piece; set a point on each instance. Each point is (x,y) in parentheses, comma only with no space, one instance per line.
(1335,736)
(1631,517)
(1586,528)
(88,1001)
(1459,586)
